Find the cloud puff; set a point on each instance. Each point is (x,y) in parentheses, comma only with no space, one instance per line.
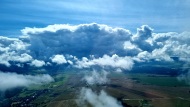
(96,77)
(96,100)
(164,46)
(141,37)
(13,80)
(37,63)
(59,59)
(13,50)
(113,61)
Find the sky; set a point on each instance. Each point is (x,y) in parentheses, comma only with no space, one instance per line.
(105,35)
(161,15)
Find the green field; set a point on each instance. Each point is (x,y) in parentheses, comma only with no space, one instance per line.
(160,80)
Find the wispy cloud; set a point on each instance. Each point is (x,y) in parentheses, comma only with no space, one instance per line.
(13,80)
(87,96)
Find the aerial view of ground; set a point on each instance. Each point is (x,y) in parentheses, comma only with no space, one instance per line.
(131,90)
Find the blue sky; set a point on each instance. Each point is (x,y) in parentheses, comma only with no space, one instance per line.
(162,15)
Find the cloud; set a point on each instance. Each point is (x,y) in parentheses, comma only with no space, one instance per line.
(13,50)
(185,77)
(59,59)
(87,96)
(141,37)
(166,45)
(128,45)
(107,46)
(13,80)
(8,57)
(37,63)
(79,40)
(113,61)
(96,77)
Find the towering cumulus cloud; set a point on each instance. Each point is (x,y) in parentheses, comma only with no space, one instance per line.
(109,46)
(81,40)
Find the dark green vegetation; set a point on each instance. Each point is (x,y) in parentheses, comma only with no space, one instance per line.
(131,89)
(153,79)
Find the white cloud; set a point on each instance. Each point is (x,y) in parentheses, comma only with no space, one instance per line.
(59,59)
(13,49)
(163,46)
(113,61)
(37,63)
(129,45)
(13,80)
(6,57)
(96,100)
(96,77)
(22,58)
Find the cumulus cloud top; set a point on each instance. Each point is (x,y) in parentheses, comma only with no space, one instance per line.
(12,80)
(37,63)
(59,59)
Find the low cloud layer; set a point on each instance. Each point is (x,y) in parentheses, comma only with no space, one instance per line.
(87,96)
(13,80)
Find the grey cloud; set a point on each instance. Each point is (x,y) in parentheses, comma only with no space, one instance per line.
(141,37)
(80,40)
